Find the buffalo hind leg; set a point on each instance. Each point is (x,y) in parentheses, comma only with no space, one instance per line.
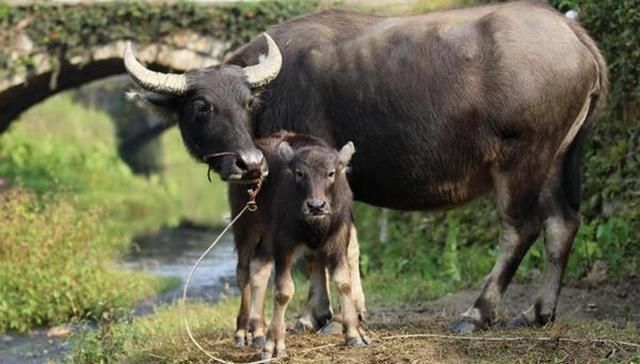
(520,218)
(561,224)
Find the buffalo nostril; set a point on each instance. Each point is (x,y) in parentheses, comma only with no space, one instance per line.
(316,204)
(241,164)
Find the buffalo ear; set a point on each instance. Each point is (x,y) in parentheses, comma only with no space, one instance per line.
(345,154)
(166,107)
(285,152)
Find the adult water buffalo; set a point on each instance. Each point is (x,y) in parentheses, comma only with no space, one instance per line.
(444,107)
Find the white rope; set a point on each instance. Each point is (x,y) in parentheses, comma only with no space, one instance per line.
(186,287)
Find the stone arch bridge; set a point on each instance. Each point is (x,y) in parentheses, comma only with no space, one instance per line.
(49,47)
(48,75)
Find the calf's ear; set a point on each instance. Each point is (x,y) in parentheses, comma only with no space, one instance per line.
(345,154)
(285,152)
(166,107)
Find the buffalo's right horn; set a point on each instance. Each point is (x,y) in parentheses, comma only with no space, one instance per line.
(162,83)
(268,68)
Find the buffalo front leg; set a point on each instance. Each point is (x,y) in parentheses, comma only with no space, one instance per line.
(520,219)
(283,292)
(260,273)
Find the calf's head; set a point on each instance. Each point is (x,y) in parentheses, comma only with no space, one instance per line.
(319,176)
(213,109)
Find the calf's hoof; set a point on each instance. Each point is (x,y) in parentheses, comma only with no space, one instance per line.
(266,355)
(356,341)
(306,324)
(331,328)
(523,321)
(518,322)
(259,342)
(465,325)
(239,341)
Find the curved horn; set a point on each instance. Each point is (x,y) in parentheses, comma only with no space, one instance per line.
(267,70)
(162,83)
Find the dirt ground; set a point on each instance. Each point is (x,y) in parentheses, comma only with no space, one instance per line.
(593,325)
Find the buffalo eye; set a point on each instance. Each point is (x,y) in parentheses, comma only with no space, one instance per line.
(299,174)
(331,174)
(201,108)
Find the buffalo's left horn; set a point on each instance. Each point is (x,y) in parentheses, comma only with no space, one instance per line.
(162,83)
(267,70)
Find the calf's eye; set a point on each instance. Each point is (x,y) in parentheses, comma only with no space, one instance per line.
(331,174)
(299,173)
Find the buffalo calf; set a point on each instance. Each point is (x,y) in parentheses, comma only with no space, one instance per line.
(305,202)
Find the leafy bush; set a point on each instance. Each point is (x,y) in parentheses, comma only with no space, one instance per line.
(71,214)
(56,263)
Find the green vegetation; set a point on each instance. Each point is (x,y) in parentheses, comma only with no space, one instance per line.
(56,263)
(72,210)
(68,31)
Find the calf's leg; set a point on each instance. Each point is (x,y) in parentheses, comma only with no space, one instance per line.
(242,320)
(283,292)
(260,273)
(341,273)
(353,254)
(245,241)
(318,311)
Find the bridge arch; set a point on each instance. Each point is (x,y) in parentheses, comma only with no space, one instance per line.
(178,53)
(50,48)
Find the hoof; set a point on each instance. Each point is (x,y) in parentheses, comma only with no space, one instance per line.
(464,325)
(239,341)
(355,341)
(367,340)
(266,355)
(258,342)
(518,322)
(332,328)
(304,324)
(281,353)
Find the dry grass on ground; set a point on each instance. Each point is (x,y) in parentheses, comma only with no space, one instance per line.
(161,339)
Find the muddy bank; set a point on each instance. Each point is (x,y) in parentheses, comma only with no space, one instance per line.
(616,304)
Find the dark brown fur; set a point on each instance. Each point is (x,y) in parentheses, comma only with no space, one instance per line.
(284,222)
